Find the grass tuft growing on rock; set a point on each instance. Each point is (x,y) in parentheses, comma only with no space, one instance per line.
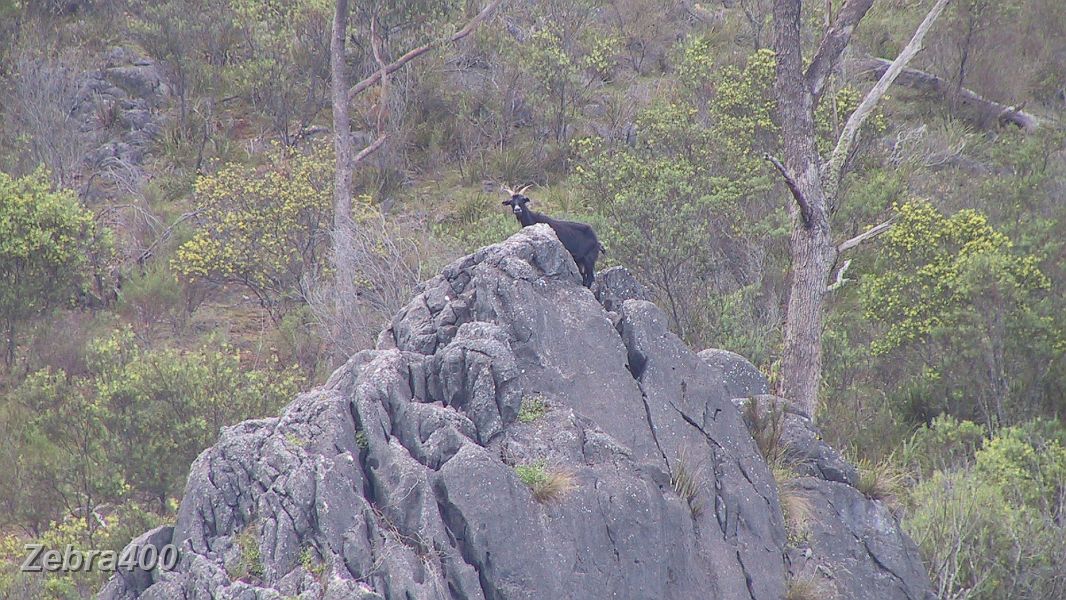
(547,484)
(880,481)
(796,506)
(533,408)
(765,426)
(807,588)
(683,480)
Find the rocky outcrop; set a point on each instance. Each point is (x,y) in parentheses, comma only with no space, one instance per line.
(852,546)
(508,438)
(740,378)
(118,107)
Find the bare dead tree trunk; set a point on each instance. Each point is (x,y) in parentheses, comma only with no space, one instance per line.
(813,182)
(972,106)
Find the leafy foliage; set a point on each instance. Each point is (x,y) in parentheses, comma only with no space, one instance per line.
(49,245)
(955,284)
(112,531)
(264,228)
(129,426)
(994,529)
(668,200)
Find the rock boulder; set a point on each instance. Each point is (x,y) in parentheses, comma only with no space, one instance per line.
(508,438)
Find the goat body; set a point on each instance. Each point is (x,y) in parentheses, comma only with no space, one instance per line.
(579,239)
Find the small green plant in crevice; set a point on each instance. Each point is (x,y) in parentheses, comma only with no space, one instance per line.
(533,408)
(547,484)
(249,564)
(683,480)
(880,481)
(310,562)
(295,440)
(361,440)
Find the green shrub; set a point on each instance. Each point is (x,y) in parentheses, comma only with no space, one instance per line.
(151,298)
(130,426)
(975,540)
(673,204)
(49,247)
(115,528)
(533,408)
(956,287)
(265,228)
(249,563)
(945,444)
(993,528)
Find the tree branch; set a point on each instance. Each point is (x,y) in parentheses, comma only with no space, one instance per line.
(840,280)
(835,166)
(419,51)
(165,235)
(981,109)
(866,235)
(836,39)
(375,44)
(372,148)
(797,193)
(383,77)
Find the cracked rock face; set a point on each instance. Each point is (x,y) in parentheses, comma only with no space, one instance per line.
(400,477)
(854,545)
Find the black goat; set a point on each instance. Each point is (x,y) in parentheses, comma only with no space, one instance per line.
(578,238)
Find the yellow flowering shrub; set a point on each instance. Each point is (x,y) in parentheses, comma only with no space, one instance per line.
(266,228)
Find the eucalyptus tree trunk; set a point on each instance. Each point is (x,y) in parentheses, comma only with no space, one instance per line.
(343,252)
(811,244)
(814,182)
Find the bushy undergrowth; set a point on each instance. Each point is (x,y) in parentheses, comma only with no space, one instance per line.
(126,428)
(988,515)
(113,527)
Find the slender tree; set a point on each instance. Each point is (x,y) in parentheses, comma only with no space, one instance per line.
(344,259)
(814,182)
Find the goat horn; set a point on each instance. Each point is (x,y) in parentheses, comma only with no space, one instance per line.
(524,188)
(506,189)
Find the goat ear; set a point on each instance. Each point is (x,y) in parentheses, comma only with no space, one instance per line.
(505,202)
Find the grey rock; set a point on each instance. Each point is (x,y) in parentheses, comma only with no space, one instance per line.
(118,108)
(614,286)
(398,476)
(134,581)
(141,81)
(802,444)
(855,545)
(741,378)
